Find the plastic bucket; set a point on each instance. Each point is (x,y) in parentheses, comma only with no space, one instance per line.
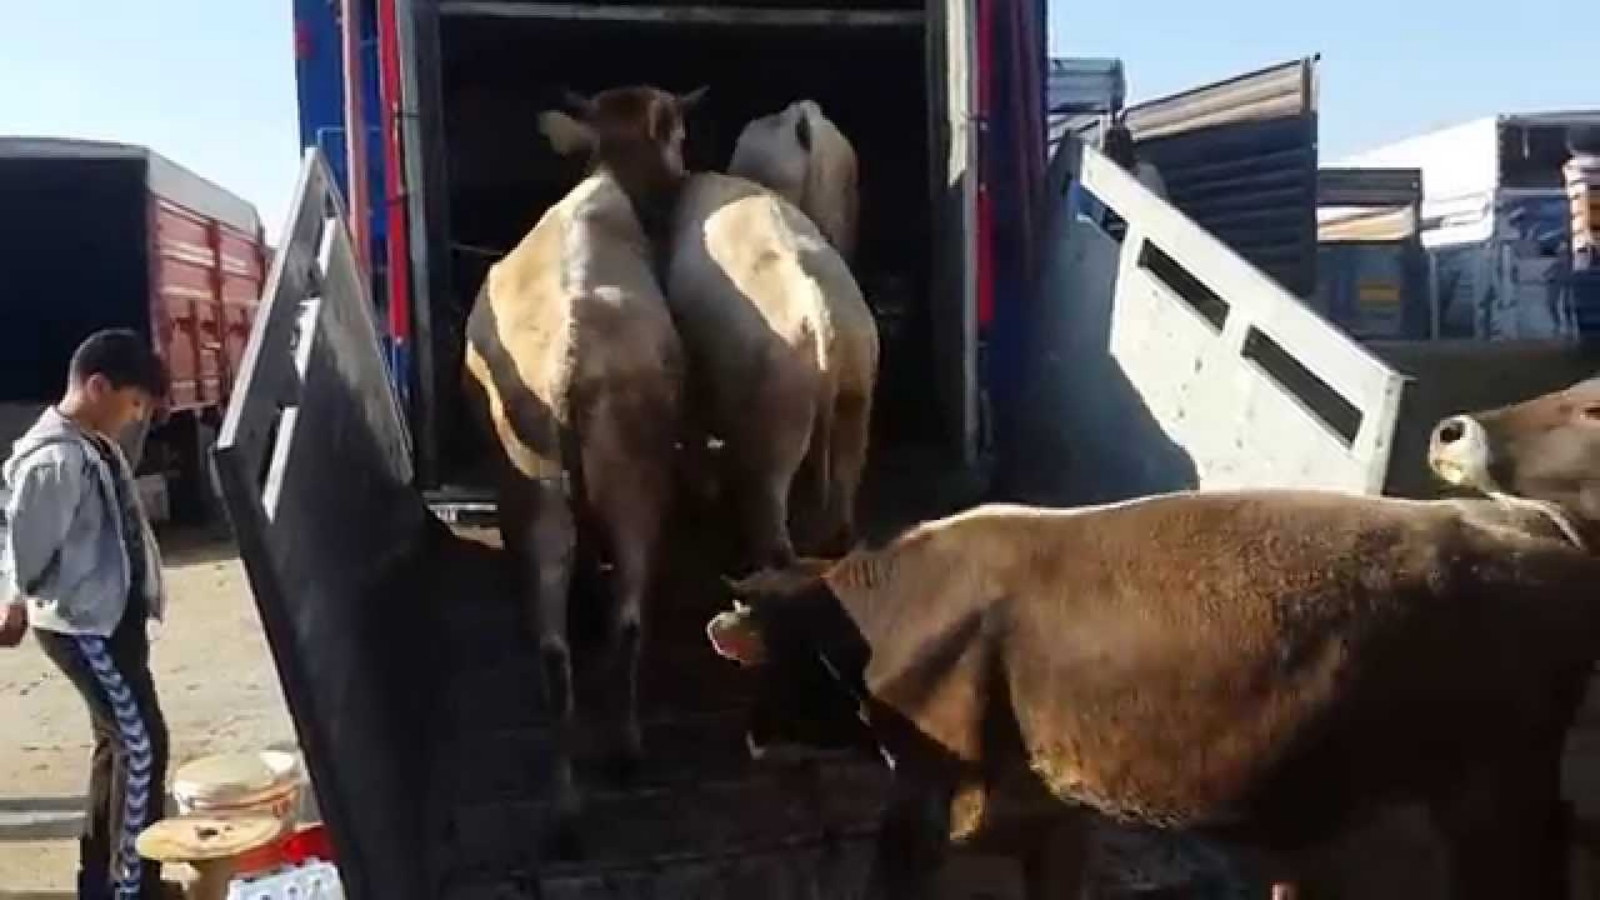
(244,784)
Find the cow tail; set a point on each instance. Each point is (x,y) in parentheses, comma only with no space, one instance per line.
(821,449)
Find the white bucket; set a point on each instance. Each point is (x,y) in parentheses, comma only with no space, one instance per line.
(267,783)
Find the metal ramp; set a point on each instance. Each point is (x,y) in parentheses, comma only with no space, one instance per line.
(1161,360)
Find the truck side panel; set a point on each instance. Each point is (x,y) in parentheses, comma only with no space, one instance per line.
(205,281)
(1239,157)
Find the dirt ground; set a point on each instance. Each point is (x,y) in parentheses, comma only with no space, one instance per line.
(217,686)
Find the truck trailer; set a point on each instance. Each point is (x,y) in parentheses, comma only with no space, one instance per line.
(99,235)
(1028,354)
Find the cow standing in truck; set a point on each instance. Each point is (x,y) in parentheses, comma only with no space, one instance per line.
(576,371)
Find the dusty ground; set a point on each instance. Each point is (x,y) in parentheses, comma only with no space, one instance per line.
(217,686)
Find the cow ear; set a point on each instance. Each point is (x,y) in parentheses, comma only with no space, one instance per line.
(689,101)
(567,135)
(736,636)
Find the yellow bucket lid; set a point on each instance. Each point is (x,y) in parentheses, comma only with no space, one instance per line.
(193,839)
(234,778)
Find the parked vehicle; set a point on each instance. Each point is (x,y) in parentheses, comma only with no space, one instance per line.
(1496,222)
(99,235)
(1372,273)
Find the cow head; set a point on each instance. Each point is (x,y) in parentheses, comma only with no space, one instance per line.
(811,658)
(799,154)
(775,151)
(1545,449)
(636,132)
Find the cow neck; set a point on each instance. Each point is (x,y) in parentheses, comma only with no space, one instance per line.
(652,191)
(1565,523)
(834,634)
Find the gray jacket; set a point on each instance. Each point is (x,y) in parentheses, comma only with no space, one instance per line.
(64,554)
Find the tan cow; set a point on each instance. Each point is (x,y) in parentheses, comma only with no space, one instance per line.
(577,371)
(799,153)
(783,358)
(1262,666)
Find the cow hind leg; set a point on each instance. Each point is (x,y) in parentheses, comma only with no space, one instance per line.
(808,497)
(547,545)
(630,460)
(764,465)
(852,424)
(632,512)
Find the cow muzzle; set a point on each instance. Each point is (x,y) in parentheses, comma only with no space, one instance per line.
(1458,452)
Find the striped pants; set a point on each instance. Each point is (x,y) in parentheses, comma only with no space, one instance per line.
(127,778)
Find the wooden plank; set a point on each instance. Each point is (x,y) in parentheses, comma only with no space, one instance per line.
(685,15)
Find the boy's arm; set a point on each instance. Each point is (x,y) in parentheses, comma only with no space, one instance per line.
(43,503)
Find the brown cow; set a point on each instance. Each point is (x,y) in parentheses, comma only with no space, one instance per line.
(1261,666)
(783,356)
(799,153)
(576,369)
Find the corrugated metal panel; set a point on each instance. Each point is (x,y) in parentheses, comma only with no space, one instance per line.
(1239,157)
(1080,94)
(1366,225)
(1086,85)
(1374,291)
(1368,187)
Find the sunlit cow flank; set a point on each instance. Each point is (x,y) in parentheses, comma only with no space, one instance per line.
(783,359)
(1263,666)
(575,367)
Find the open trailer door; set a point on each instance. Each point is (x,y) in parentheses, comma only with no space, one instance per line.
(953,95)
(315,468)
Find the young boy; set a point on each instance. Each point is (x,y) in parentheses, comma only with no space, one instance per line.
(80,563)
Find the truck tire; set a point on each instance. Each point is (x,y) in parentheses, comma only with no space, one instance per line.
(195,499)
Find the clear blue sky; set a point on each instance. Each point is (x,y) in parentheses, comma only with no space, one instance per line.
(210,83)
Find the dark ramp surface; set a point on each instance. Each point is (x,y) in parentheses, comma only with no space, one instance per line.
(700,819)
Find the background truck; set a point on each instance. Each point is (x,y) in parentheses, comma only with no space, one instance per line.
(1028,354)
(1497,223)
(97,235)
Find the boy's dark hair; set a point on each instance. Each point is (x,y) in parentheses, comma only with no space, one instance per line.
(123,357)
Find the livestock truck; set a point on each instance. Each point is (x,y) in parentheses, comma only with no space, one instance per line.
(1027,354)
(97,235)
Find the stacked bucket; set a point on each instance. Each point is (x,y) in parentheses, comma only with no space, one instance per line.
(236,825)
(1583,192)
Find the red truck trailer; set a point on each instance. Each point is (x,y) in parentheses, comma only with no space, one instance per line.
(98,235)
